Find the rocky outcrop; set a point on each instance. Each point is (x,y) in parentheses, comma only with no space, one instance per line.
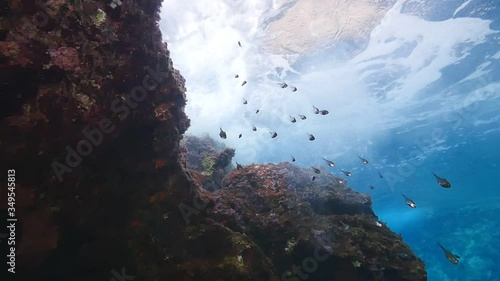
(92,113)
(91,118)
(318,229)
(207,160)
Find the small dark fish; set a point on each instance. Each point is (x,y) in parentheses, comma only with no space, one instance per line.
(329,163)
(238,166)
(236,76)
(293,158)
(239,136)
(273,134)
(311,137)
(222,134)
(380,175)
(347,173)
(303,117)
(294,89)
(253,128)
(409,202)
(363,160)
(257,111)
(243,84)
(313,178)
(245,101)
(239,44)
(372,187)
(283,85)
(442,181)
(316,170)
(449,255)
(292,119)
(315,110)
(323,112)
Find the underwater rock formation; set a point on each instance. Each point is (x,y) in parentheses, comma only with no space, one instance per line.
(318,229)
(91,117)
(207,160)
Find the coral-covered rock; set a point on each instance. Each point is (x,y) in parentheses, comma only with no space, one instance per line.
(297,221)
(208,160)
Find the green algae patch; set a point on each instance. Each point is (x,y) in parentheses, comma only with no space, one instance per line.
(232,263)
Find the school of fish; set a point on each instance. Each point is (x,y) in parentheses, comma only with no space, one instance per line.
(443,182)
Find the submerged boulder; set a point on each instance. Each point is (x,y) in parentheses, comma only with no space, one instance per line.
(208,160)
(318,229)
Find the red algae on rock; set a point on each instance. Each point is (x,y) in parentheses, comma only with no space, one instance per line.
(64,57)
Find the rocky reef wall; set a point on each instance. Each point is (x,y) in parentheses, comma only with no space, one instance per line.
(91,114)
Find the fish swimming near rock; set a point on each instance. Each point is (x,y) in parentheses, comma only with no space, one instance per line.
(245,101)
(315,110)
(329,163)
(292,119)
(449,255)
(238,166)
(253,128)
(311,137)
(347,173)
(363,160)
(303,117)
(371,187)
(283,85)
(409,202)
(293,158)
(324,112)
(222,134)
(239,136)
(442,181)
(243,84)
(273,134)
(316,170)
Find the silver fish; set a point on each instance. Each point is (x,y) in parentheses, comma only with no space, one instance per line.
(347,173)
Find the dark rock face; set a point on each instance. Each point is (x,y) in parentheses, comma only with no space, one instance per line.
(91,116)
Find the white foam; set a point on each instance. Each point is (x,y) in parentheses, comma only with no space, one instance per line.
(461,7)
